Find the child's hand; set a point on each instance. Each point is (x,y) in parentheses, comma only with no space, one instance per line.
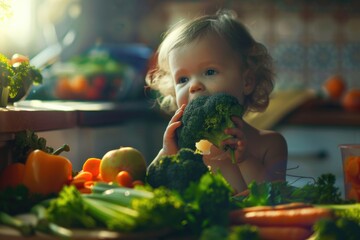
(238,142)
(169,141)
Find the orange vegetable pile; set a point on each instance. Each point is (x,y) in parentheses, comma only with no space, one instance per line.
(90,174)
(292,221)
(336,89)
(352,177)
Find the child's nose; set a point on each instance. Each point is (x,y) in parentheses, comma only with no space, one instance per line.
(196,86)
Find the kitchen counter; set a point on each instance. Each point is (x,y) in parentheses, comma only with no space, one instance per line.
(302,107)
(50,115)
(316,112)
(42,116)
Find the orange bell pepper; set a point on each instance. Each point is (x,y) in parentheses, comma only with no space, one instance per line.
(47,173)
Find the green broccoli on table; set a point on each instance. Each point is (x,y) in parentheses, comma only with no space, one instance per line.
(176,171)
(206,118)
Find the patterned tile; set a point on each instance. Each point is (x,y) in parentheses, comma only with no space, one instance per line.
(322,56)
(351,56)
(289,56)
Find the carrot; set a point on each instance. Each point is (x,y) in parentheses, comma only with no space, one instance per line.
(99,178)
(84,190)
(89,184)
(78,183)
(87,176)
(306,216)
(288,233)
(293,205)
(92,165)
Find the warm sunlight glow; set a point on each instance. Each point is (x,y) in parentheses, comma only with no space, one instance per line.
(15,22)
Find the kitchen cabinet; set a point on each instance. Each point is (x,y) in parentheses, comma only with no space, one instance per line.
(314,132)
(315,150)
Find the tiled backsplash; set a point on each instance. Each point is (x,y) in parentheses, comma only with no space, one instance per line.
(309,40)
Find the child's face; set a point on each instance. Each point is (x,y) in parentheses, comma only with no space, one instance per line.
(204,67)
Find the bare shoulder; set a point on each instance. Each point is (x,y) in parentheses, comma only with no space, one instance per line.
(275,153)
(272,139)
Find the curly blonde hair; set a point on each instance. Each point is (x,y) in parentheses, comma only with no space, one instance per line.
(255,59)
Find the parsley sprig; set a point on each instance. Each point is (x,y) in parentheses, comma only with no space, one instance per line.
(18,76)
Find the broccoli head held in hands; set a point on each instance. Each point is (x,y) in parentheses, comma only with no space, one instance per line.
(206,118)
(177,171)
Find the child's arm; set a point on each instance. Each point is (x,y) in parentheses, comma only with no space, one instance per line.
(275,161)
(221,161)
(170,146)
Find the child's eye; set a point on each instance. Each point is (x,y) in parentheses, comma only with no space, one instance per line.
(182,80)
(210,72)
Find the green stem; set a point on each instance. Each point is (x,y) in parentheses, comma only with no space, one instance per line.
(232,154)
(113,216)
(43,225)
(63,148)
(24,228)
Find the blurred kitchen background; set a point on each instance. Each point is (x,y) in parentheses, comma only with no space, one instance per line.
(309,41)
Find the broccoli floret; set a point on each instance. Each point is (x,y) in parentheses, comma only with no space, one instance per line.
(176,171)
(206,118)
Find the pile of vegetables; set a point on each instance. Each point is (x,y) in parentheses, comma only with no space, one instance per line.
(179,197)
(205,210)
(352,171)
(92,77)
(129,210)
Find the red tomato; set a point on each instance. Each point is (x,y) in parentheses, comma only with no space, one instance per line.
(124,179)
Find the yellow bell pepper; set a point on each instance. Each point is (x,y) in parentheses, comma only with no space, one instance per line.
(47,173)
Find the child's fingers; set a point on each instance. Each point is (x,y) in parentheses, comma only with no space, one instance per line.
(169,139)
(237,121)
(178,114)
(235,132)
(239,147)
(170,130)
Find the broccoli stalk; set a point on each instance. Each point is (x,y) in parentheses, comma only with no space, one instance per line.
(206,118)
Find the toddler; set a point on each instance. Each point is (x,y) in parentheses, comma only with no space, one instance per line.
(212,54)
